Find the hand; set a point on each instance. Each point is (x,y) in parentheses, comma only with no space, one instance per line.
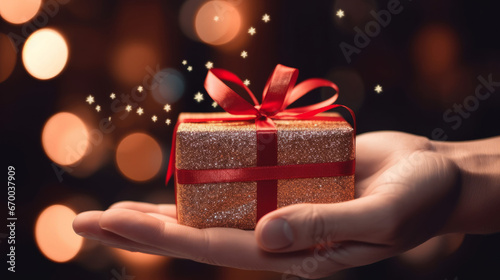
(405,194)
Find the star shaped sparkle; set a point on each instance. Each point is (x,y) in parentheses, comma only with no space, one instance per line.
(252,31)
(184,62)
(154,118)
(244,54)
(209,65)
(340,13)
(98,108)
(168,121)
(214,104)
(378,89)
(190,68)
(90,99)
(140,88)
(140,111)
(266,18)
(112,95)
(128,108)
(198,97)
(167,108)
(246,82)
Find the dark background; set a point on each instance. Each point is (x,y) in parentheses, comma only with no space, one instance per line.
(427,59)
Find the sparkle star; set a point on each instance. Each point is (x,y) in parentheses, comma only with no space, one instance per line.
(266,18)
(184,62)
(378,89)
(209,65)
(246,82)
(244,54)
(140,88)
(252,31)
(140,111)
(190,68)
(90,99)
(340,13)
(154,118)
(168,121)
(128,108)
(98,108)
(167,108)
(198,97)
(214,104)
(112,95)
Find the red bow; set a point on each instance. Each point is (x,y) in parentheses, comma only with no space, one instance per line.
(278,94)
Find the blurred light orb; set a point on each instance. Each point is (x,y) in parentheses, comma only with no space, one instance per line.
(351,86)
(168,86)
(436,49)
(54,233)
(221,31)
(45,54)
(7,57)
(139,157)
(138,259)
(65,138)
(186,15)
(134,62)
(19,11)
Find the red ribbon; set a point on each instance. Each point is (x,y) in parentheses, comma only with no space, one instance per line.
(278,94)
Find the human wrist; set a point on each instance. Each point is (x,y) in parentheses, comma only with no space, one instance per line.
(477,205)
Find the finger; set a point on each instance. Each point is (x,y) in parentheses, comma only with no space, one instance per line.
(164,209)
(217,246)
(163,218)
(354,254)
(302,226)
(86,224)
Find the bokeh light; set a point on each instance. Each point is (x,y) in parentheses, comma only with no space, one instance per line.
(139,157)
(7,57)
(54,233)
(222,30)
(138,259)
(133,61)
(45,54)
(351,86)
(436,50)
(65,138)
(168,86)
(186,15)
(19,11)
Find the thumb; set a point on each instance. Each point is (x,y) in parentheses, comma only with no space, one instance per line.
(303,226)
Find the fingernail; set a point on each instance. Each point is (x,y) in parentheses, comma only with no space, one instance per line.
(277,234)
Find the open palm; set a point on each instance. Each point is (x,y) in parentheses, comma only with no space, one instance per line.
(405,193)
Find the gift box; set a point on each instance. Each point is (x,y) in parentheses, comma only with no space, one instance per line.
(231,169)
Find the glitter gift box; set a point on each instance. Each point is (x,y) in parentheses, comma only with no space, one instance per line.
(233,168)
(221,145)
